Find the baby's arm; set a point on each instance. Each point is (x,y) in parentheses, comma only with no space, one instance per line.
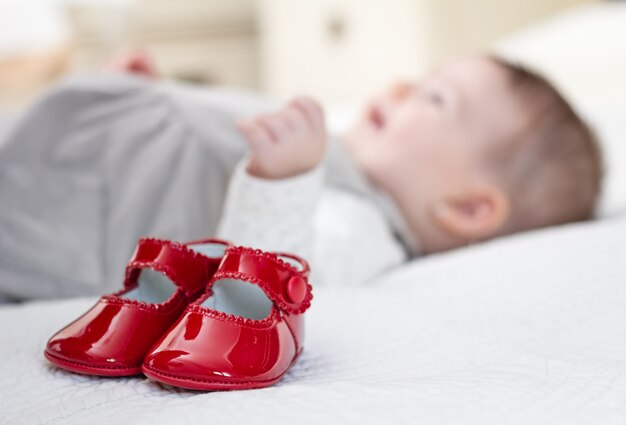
(274,192)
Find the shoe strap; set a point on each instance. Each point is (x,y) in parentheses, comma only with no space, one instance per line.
(284,284)
(186,268)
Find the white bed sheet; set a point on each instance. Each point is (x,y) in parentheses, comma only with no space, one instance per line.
(527,329)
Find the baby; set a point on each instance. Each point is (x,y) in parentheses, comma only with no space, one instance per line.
(478,149)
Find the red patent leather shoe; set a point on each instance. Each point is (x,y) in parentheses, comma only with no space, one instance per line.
(245,332)
(162,278)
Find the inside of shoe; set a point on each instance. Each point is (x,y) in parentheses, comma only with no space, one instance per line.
(240,298)
(155,288)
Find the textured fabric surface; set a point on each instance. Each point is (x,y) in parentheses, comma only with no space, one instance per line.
(529,329)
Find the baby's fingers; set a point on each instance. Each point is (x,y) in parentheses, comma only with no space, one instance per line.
(275,125)
(295,118)
(255,134)
(311,110)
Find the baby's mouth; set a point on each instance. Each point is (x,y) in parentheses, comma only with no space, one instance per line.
(375,117)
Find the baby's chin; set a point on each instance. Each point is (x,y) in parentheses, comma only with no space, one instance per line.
(368,162)
(357,139)
(349,138)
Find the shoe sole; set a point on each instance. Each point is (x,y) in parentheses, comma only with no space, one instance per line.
(209,384)
(205,384)
(87,369)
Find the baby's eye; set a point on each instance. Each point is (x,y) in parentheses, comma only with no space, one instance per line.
(436,98)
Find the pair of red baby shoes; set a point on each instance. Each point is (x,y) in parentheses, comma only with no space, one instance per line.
(202,315)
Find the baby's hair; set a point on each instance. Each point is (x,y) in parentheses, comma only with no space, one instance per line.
(553,167)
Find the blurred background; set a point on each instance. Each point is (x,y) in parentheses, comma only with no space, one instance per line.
(340,51)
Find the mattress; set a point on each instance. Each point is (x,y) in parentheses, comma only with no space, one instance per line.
(526,329)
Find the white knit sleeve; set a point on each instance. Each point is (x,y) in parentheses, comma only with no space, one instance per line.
(273,215)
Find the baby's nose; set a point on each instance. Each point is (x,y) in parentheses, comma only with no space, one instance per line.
(401,90)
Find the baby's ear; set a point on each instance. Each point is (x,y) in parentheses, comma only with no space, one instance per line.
(473,214)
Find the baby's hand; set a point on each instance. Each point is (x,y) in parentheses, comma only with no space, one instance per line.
(134,62)
(288,142)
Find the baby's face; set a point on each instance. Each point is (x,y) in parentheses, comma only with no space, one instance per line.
(421,142)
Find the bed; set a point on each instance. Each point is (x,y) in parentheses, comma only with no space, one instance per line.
(529,329)
(525,329)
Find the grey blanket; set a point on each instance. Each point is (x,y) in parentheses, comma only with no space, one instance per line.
(102,160)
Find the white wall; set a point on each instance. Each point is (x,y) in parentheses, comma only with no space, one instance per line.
(380,40)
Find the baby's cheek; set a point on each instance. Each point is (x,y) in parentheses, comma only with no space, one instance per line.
(410,128)
(394,163)
(408,144)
